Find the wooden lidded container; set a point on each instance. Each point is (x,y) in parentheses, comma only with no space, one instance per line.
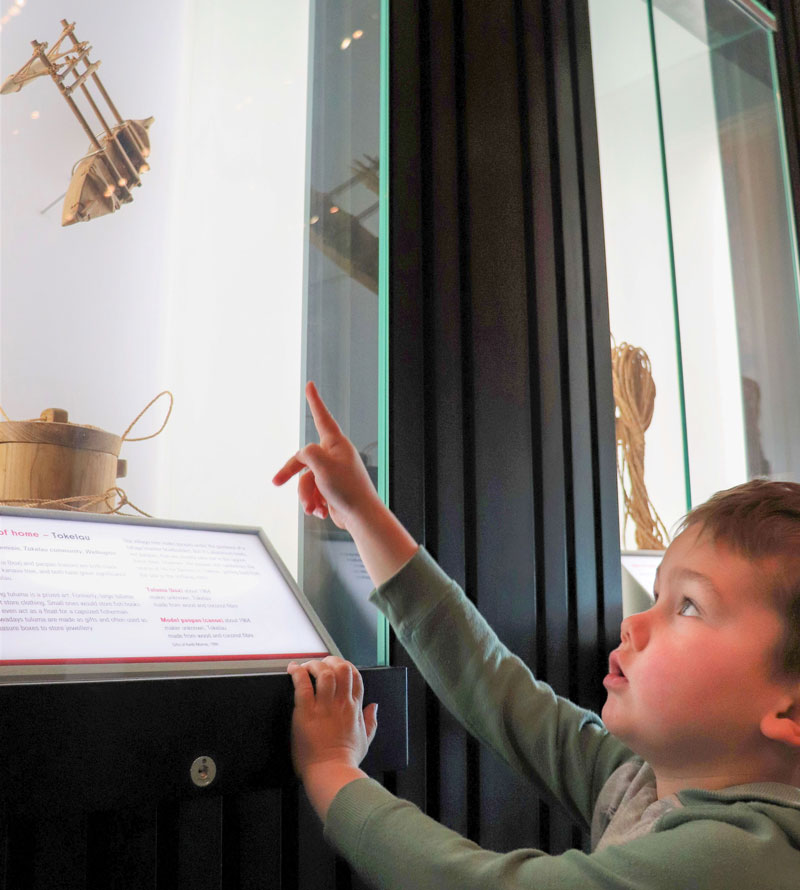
(50,459)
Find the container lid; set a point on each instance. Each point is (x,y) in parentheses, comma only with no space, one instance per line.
(54,429)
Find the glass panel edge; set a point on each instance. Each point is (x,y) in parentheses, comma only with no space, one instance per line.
(671,248)
(787,174)
(383,300)
(758,12)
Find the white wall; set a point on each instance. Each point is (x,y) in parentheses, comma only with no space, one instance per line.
(196,286)
(236,276)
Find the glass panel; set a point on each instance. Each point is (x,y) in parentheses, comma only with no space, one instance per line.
(637,237)
(343,295)
(214,282)
(734,244)
(720,236)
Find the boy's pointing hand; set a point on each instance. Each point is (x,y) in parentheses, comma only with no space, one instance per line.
(334,482)
(333,479)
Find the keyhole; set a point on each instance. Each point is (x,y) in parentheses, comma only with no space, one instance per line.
(203,771)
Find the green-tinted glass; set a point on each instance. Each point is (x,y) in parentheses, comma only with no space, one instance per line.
(345,348)
(383,298)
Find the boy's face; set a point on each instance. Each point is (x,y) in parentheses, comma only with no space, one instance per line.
(690,681)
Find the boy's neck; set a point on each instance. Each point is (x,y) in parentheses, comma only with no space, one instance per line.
(665,786)
(671,781)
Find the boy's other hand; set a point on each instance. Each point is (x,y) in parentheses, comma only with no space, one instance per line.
(333,479)
(330,732)
(328,724)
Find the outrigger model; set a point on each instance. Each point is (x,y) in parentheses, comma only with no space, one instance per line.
(102,180)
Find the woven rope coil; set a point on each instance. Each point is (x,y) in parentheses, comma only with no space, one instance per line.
(634,396)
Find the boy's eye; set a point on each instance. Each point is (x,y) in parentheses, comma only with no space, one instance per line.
(689,608)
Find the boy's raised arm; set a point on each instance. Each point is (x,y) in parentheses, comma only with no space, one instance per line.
(330,732)
(562,749)
(334,481)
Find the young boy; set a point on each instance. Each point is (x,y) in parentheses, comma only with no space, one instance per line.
(689,781)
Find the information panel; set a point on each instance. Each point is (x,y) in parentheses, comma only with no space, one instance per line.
(81,597)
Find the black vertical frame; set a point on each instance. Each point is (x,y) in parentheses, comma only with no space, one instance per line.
(501,423)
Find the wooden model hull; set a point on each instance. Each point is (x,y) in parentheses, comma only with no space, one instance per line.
(101,181)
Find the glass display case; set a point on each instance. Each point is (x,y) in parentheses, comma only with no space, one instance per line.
(251,258)
(701,253)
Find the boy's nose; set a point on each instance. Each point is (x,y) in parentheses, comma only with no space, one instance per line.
(635,630)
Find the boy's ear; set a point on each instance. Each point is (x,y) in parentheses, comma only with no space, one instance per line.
(784,725)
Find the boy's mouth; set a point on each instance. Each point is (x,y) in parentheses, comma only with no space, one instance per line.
(616,676)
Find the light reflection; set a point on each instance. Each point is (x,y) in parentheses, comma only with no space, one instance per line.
(346,42)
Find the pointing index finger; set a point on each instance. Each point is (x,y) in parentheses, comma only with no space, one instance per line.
(292,467)
(323,419)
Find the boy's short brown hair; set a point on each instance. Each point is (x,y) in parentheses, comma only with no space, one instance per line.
(760,520)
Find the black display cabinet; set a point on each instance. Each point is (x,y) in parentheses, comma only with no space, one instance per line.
(176,783)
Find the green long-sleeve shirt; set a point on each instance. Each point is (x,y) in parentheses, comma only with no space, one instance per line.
(737,838)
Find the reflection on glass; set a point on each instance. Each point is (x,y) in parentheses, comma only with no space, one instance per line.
(700,239)
(343,293)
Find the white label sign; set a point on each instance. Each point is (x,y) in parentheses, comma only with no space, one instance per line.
(77,592)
